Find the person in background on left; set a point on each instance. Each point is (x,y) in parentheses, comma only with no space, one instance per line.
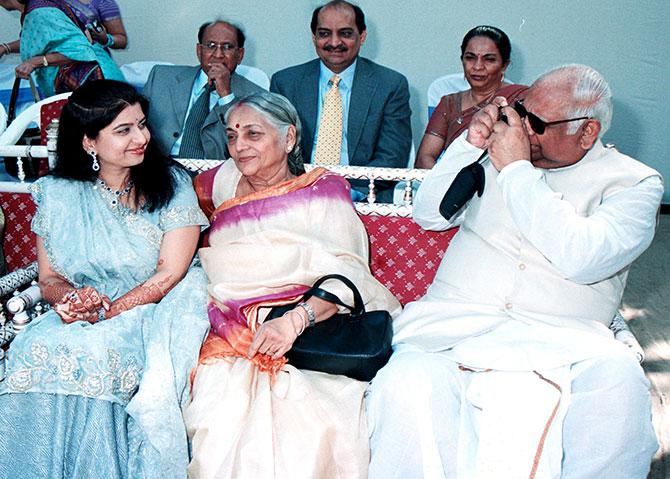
(187,103)
(64,46)
(101,17)
(10,47)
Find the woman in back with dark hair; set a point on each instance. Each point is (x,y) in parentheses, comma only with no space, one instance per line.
(95,386)
(485,55)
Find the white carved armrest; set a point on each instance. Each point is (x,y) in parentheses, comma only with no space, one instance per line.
(9,149)
(14,280)
(23,305)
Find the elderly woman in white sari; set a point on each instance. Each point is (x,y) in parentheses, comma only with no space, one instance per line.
(274,231)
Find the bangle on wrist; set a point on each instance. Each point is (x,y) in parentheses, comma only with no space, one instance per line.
(110,41)
(45,62)
(311,316)
(101,314)
(7,48)
(303,322)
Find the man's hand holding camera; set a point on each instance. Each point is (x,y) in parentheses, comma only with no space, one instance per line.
(507,141)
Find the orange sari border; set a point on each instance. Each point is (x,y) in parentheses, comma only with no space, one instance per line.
(216,348)
(203,185)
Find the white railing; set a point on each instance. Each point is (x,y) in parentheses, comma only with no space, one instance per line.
(409,178)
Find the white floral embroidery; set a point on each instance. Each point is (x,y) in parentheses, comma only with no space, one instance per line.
(75,372)
(181,216)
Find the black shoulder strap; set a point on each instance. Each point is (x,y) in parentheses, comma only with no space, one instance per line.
(359,307)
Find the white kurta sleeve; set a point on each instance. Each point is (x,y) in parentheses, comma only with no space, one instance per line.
(584,249)
(426,209)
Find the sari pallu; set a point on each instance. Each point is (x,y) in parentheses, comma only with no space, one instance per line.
(267,249)
(50,26)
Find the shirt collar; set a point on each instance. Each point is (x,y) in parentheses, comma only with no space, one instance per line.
(200,82)
(346,77)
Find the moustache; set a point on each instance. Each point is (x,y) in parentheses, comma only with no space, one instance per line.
(339,49)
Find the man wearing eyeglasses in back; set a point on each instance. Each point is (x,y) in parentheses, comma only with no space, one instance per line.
(506,367)
(187,103)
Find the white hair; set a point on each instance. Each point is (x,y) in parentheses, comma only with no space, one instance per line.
(591,95)
(281,114)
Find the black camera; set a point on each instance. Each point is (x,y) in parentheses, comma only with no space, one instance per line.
(94,26)
(470,180)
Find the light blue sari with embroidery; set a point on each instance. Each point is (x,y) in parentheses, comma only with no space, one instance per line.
(104,399)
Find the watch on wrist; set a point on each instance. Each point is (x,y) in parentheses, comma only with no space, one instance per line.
(311,316)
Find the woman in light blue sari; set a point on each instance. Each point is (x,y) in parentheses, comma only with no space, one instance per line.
(57,46)
(94,387)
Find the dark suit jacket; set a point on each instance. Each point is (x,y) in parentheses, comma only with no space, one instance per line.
(169,91)
(378,132)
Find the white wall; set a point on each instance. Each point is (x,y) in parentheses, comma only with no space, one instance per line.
(624,39)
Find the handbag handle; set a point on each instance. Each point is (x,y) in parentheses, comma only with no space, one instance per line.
(359,307)
(11,110)
(14,97)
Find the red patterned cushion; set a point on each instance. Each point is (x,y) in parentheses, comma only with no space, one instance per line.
(403,256)
(19,241)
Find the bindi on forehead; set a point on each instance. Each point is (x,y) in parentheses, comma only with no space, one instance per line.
(245,126)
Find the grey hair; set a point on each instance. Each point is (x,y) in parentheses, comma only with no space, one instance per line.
(591,95)
(281,114)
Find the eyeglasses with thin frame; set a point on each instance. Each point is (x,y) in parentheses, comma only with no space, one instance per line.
(538,124)
(226,47)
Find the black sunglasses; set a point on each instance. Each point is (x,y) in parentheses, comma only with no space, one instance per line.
(536,123)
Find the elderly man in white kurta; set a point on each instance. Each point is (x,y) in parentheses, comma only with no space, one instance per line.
(506,368)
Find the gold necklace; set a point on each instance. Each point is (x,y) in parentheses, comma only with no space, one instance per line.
(475,105)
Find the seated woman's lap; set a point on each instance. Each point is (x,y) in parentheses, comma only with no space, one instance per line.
(313,409)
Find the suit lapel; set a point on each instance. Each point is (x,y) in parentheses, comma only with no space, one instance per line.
(362,92)
(308,99)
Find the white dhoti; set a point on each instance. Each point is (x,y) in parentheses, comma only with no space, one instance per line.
(430,417)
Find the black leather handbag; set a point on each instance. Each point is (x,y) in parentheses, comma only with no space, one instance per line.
(355,344)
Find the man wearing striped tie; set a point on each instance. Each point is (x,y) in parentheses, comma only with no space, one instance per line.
(187,103)
(353,111)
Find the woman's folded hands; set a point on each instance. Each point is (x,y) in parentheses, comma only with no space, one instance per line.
(84,304)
